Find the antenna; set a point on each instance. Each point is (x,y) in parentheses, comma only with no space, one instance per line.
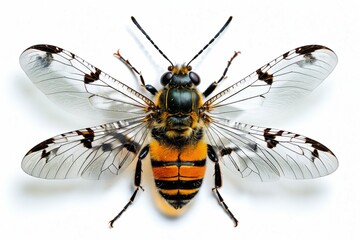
(207,45)
(148,37)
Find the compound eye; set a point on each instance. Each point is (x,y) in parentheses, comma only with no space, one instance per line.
(195,79)
(165,78)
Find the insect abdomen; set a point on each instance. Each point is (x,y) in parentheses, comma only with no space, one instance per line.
(178,173)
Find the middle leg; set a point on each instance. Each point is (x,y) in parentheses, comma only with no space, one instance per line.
(218,183)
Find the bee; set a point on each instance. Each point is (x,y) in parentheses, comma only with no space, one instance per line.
(178,127)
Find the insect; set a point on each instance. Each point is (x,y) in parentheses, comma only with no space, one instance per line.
(179,127)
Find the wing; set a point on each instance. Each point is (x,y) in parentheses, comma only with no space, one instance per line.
(79,87)
(267,154)
(283,80)
(92,153)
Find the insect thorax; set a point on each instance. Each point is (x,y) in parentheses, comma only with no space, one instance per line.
(178,122)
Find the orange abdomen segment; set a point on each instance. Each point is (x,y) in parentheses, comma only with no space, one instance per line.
(178,174)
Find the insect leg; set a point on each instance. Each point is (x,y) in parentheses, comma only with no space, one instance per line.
(137,182)
(151,89)
(218,183)
(213,85)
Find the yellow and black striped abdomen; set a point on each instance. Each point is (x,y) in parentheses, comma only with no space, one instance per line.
(178,173)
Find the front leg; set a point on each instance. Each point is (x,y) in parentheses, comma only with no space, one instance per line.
(151,89)
(213,85)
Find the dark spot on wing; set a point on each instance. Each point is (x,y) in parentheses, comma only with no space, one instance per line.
(270,137)
(121,137)
(226,151)
(309,58)
(253,146)
(45,60)
(88,137)
(45,155)
(130,145)
(41,146)
(93,76)
(107,147)
(285,55)
(317,147)
(309,49)
(264,76)
(315,154)
(47,48)
(280,133)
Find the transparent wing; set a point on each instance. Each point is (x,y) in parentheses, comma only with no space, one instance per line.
(79,87)
(93,153)
(267,154)
(283,80)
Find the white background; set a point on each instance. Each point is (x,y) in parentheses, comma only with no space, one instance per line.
(326,208)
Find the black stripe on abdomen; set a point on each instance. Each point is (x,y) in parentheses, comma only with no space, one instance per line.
(178,184)
(178,200)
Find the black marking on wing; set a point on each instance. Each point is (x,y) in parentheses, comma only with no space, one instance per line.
(41,145)
(130,145)
(267,154)
(264,76)
(307,52)
(284,80)
(270,138)
(285,55)
(309,49)
(317,147)
(226,151)
(46,60)
(88,137)
(94,153)
(46,48)
(93,76)
(80,87)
